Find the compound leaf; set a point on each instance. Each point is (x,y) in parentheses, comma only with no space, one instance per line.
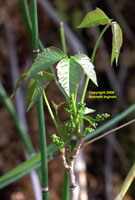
(20,82)
(69,73)
(45,60)
(116,41)
(94,18)
(87,66)
(36,86)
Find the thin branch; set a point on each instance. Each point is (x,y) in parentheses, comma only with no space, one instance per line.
(108,132)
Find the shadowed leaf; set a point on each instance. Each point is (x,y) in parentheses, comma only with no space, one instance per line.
(45,60)
(20,82)
(36,85)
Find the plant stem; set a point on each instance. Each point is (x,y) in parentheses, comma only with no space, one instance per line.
(24,8)
(68,161)
(72,184)
(34,21)
(63,41)
(69,177)
(40,112)
(65,194)
(70,166)
(25,11)
(127,182)
(43,148)
(92,59)
(50,110)
(75,95)
(74,106)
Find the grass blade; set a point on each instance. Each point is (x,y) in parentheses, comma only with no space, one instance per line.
(8,104)
(126,184)
(24,168)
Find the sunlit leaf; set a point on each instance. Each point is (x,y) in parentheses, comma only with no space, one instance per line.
(36,86)
(116,41)
(20,82)
(88,110)
(87,66)
(69,73)
(45,60)
(94,18)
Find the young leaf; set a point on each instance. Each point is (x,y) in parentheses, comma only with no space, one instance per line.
(69,73)
(20,82)
(87,66)
(57,106)
(45,59)
(91,120)
(88,111)
(116,41)
(36,85)
(94,18)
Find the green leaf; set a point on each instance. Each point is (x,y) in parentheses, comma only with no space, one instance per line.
(87,66)
(69,73)
(45,60)
(48,77)
(57,106)
(88,111)
(20,82)
(126,183)
(116,41)
(90,119)
(110,123)
(24,168)
(36,86)
(94,18)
